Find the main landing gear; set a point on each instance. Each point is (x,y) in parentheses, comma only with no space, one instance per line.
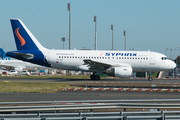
(95,77)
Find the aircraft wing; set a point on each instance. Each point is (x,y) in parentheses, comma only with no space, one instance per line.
(8,67)
(99,65)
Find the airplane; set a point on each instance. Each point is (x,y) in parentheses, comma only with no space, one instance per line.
(3,55)
(13,64)
(113,63)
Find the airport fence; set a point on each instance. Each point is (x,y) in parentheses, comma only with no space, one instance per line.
(144,109)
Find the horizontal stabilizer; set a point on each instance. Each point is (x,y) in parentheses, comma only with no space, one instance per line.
(27,55)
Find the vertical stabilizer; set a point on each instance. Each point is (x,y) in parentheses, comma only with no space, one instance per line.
(3,55)
(23,37)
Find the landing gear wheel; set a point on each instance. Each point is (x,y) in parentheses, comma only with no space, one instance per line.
(92,77)
(95,77)
(150,79)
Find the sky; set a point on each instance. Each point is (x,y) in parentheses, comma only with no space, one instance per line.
(149,24)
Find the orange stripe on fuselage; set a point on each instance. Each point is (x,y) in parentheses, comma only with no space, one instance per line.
(101,53)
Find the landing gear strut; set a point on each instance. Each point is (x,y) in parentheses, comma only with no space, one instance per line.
(95,77)
(150,78)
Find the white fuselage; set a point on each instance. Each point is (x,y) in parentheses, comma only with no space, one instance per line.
(140,61)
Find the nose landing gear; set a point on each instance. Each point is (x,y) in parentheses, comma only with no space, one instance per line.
(150,78)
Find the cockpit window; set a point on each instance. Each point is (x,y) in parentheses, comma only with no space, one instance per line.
(164,58)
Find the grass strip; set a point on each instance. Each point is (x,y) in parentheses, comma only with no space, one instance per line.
(20,87)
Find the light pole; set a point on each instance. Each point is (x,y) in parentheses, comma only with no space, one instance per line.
(166,50)
(95,32)
(131,49)
(170,52)
(63,40)
(174,54)
(112,35)
(125,40)
(69,25)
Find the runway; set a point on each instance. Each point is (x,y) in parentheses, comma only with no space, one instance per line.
(86,95)
(69,96)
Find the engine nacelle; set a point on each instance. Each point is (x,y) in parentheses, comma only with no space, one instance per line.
(120,71)
(82,68)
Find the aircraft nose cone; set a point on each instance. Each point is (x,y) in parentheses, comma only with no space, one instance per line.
(172,64)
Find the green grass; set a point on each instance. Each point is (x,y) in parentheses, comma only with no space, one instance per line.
(153,75)
(19,87)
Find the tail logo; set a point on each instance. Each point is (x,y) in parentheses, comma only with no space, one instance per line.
(21,39)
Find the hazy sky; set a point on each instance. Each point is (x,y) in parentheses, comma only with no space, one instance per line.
(149,24)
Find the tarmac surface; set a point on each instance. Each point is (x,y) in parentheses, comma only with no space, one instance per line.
(57,80)
(87,95)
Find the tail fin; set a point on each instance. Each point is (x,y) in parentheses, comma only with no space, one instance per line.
(23,37)
(3,55)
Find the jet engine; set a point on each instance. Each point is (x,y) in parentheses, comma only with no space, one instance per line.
(123,71)
(83,68)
